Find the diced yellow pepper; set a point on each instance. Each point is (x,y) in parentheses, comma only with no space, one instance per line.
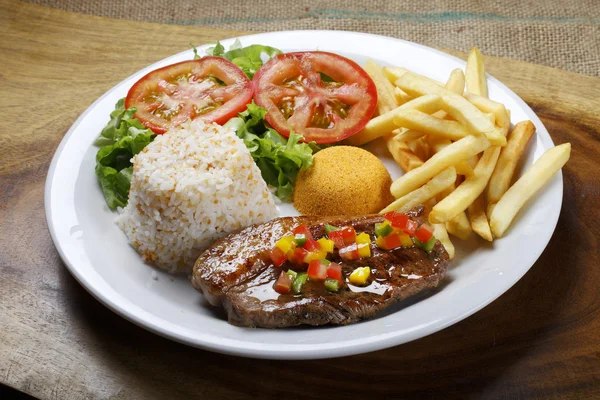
(326,244)
(286,243)
(364,249)
(360,275)
(315,255)
(406,240)
(380,242)
(363,238)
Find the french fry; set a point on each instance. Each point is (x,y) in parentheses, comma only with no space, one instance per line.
(428,191)
(536,176)
(478,219)
(475,74)
(437,143)
(384,123)
(402,154)
(455,105)
(441,234)
(476,82)
(401,96)
(449,156)
(456,82)
(459,226)
(420,148)
(406,135)
(468,191)
(419,121)
(386,100)
(489,106)
(507,162)
(393,73)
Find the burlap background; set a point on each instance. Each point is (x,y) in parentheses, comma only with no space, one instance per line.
(559,33)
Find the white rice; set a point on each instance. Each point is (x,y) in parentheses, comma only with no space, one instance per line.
(190,187)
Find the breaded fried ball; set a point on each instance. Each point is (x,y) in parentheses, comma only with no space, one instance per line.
(343,180)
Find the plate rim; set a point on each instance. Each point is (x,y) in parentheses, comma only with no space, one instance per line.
(255,350)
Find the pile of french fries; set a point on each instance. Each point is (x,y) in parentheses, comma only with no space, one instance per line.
(457,148)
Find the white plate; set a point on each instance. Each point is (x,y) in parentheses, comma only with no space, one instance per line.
(97,254)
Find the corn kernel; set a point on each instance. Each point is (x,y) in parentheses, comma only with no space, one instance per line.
(363,238)
(326,244)
(360,275)
(285,244)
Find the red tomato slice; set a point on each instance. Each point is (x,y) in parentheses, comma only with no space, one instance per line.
(290,86)
(210,88)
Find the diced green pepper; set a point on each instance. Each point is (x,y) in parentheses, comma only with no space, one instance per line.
(293,274)
(383,229)
(299,282)
(331,228)
(326,261)
(300,239)
(428,246)
(332,285)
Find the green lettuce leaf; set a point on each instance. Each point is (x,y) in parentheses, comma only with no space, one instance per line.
(278,158)
(123,137)
(249,58)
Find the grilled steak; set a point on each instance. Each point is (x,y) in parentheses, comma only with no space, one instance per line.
(236,272)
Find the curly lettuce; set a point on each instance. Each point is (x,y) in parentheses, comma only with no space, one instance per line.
(278,158)
(249,58)
(123,137)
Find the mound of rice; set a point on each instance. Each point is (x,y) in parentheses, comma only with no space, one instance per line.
(190,187)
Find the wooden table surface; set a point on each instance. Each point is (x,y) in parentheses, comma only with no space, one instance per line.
(539,340)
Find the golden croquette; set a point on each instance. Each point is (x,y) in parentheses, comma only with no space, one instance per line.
(343,180)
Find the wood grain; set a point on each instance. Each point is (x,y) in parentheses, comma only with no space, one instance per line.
(539,340)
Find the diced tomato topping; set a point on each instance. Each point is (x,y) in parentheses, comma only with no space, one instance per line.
(302,230)
(392,241)
(317,269)
(349,235)
(337,238)
(424,233)
(398,220)
(283,284)
(277,256)
(334,271)
(350,253)
(312,245)
(411,227)
(344,237)
(298,255)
